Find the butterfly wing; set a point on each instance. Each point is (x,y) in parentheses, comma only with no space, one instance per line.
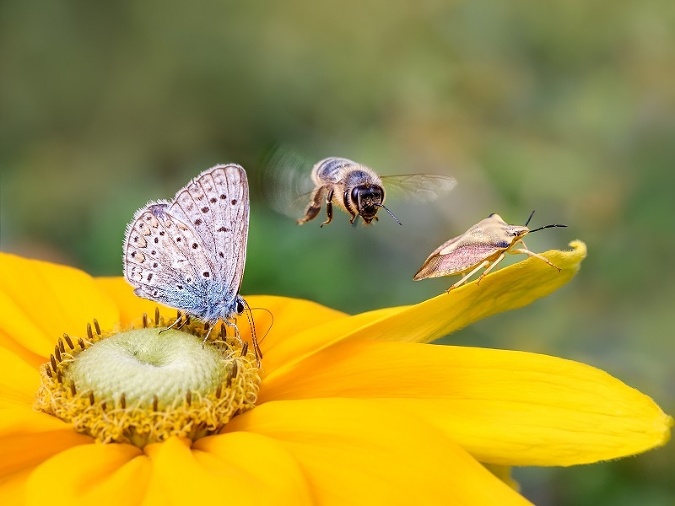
(200,238)
(159,260)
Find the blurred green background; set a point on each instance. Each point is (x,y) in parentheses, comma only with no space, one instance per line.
(563,107)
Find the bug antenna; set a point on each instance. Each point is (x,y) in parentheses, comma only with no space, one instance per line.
(528,220)
(547,226)
(390,213)
(254,338)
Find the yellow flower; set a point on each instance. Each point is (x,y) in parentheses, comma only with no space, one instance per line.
(350,410)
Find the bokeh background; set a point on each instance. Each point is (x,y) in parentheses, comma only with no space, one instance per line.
(563,107)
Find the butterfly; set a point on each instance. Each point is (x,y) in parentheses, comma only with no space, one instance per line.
(189,253)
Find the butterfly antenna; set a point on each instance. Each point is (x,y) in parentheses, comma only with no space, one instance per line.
(254,338)
(390,213)
(271,324)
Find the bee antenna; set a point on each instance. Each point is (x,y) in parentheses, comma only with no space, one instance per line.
(390,213)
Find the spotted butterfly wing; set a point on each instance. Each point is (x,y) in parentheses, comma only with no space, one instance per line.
(189,253)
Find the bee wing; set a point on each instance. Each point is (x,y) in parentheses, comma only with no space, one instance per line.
(286,182)
(455,257)
(419,187)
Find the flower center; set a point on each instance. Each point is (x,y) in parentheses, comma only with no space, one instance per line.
(145,384)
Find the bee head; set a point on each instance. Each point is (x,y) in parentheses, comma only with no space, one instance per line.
(367,198)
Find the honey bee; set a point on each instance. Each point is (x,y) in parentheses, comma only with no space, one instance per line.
(359,191)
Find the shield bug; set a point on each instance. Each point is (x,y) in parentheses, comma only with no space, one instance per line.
(483,245)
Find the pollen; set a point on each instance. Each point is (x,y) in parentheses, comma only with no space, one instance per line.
(150,382)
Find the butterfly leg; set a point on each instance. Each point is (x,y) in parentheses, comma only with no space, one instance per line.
(181,320)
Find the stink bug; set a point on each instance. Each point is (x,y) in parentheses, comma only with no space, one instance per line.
(484,245)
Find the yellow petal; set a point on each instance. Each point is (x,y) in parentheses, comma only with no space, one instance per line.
(13,487)
(513,287)
(41,300)
(509,288)
(358,452)
(130,306)
(251,456)
(97,474)
(18,382)
(29,437)
(504,407)
(17,329)
(289,318)
(195,476)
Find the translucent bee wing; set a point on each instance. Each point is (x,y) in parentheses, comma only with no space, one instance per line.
(286,182)
(418,187)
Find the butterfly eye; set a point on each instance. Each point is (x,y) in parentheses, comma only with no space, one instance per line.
(240,306)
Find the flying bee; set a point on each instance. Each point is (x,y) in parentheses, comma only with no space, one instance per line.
(356,189)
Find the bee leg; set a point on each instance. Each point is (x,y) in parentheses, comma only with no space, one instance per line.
(314,206)
(329,208)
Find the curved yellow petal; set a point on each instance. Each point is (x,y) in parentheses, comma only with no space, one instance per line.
(28,437)
(13,487)
(100,474)
(40,301)
(509,288)
(279,319)
(504,407)
(130,306)
(17,329)
(182,475)
(19,381)
(359,452)
(253,455)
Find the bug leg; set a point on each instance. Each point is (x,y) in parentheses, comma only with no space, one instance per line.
(314,206)
(461,281)
(329,208)
(526,251)
(492,265)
